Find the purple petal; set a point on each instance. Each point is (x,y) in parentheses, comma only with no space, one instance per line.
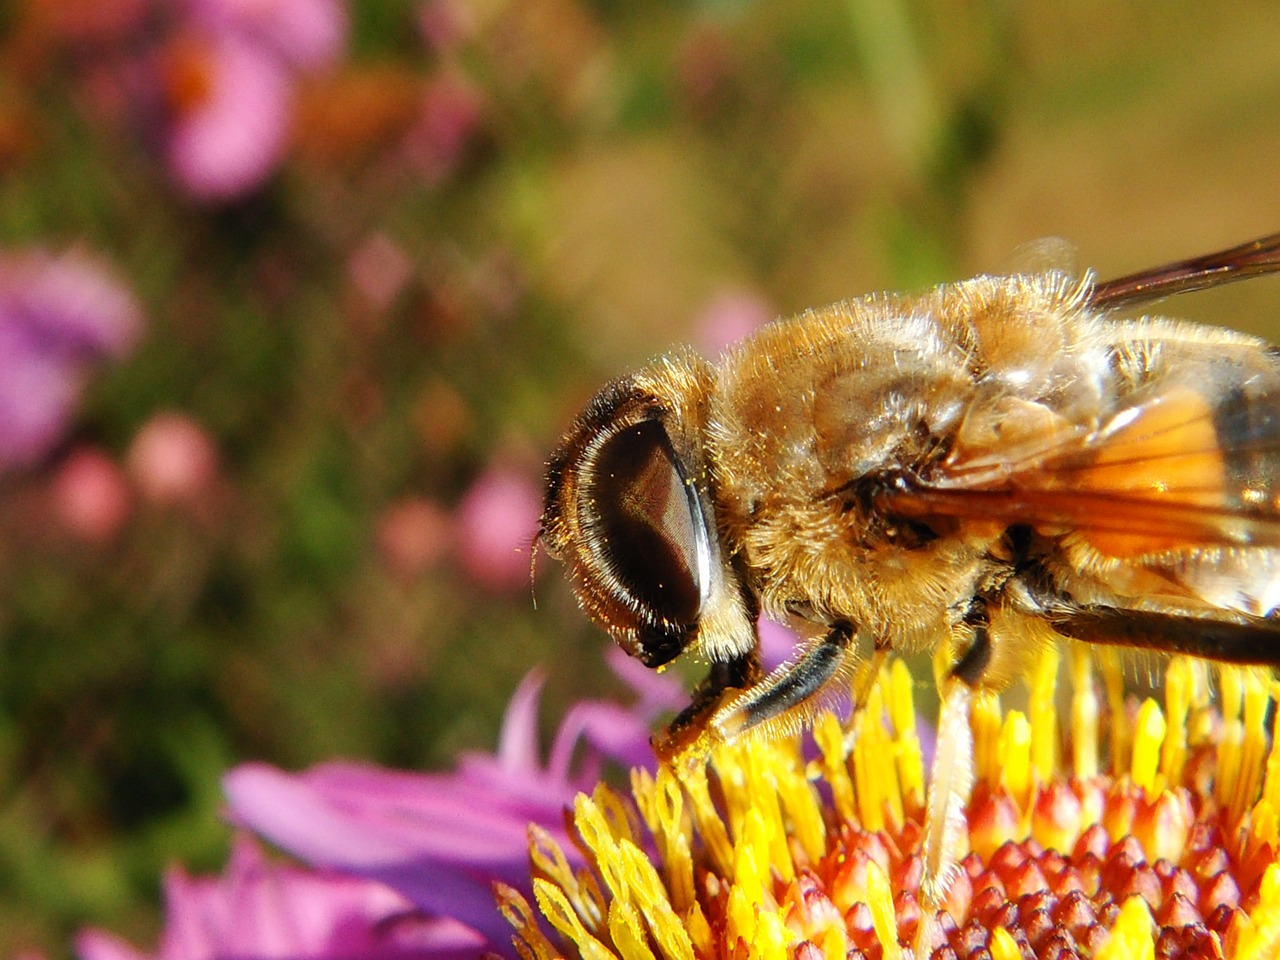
(263,910)
(99,945)
(225,143)
(308,34)
(37,395)
(518,742)
(616,733)
(777,643)
(657,692)
(70,306)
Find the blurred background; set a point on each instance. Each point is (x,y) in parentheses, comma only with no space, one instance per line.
(296,296)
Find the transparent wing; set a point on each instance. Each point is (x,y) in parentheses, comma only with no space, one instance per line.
(1176,468)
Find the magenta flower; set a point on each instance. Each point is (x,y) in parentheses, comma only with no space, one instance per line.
(229,76)
(58,316)
(440,840)
(262,910)
(308,34)
(497,521)
(229,103)
(729,317)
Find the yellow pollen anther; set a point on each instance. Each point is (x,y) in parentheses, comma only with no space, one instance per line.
(1131,937)
(1044,716)
(986,722)
(1003,946)
(880,901)
(1015,758)
(902,713)
(555,907)
(1148,738)
(1084,714)
(1113,677)
(835,765)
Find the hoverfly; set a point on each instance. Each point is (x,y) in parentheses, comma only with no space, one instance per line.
(952,470)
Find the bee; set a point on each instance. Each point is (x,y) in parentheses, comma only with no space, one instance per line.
(956,470)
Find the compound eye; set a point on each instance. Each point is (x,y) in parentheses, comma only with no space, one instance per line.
(648,527)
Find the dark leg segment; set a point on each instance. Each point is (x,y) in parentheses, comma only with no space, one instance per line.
(1253,641)
(788,687)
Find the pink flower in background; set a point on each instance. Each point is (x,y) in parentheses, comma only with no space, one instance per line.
(308,34)
(728,318)
(413,535)
(497,522)
(449,116)
(229,75)
(380,270)
(264,910)
(440,840)
(59,315)
(172,459)
(90,495)
(229,115)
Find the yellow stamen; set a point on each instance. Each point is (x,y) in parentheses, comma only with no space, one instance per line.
(835,764)
(1131,937)
(772,938)
(1254,746)
(880,901)
(1084,714)
(1015,758)
(548,861)
(878,794)
(800,803)
(902,713)
(1271,785)
(1231,743)
(667,928)
(1256,936)
(1148,738)
(555,907)
(763,770)
(1044,715)
(1179,684)
(1003,946)
(711,829)
(661,803)
(530,942)
(986,722)
(627,932)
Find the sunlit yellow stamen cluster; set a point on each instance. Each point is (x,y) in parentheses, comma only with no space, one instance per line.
(772,851)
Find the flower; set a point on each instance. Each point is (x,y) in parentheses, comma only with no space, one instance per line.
(440,840)
(229,105)
(400,864)
(264,909)
(90,496)
(1173,854)
(307,34)
(497,522)
(228,73)
(172,459)
(59,315)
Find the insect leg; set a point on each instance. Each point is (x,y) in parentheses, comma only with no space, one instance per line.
(784,693)
(1252,641)
(951,778)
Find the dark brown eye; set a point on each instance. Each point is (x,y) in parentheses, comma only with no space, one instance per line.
(647,525)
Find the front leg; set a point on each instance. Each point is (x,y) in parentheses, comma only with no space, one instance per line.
(779,702)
